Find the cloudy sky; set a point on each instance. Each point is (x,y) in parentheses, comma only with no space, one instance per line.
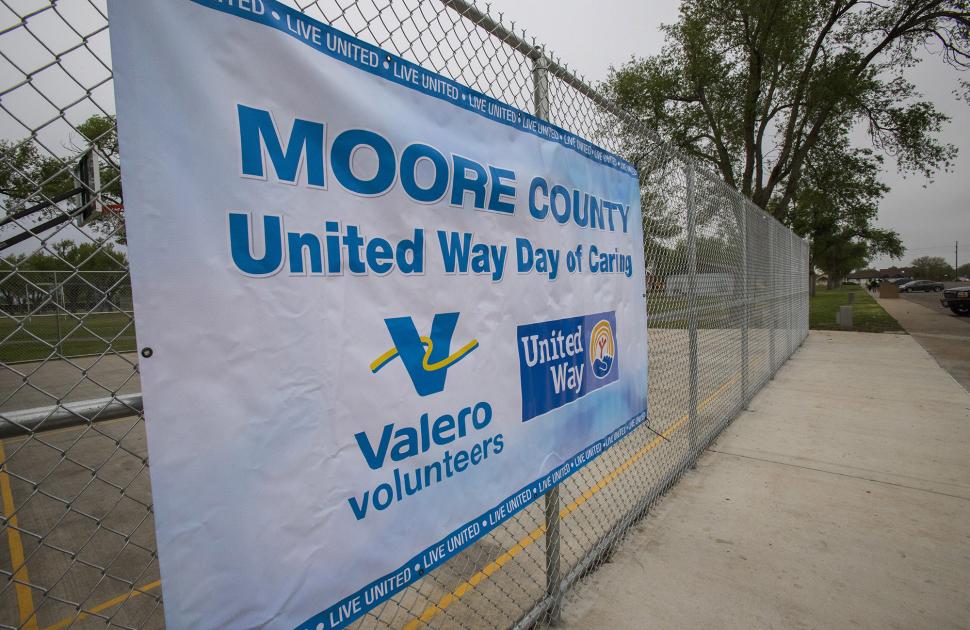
(590,37)
(929,216)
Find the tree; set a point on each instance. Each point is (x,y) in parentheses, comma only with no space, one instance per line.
(754,87)
(661,226)
(835,209)
(28,177)
(63,276)
(963,271)
(932,268)
(69,256)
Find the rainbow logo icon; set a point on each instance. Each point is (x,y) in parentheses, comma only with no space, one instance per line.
(602,345)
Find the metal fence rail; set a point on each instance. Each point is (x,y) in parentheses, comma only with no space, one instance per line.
(727,300)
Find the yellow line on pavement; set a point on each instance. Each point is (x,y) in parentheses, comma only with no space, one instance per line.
(449,598)
(25,598)
(28,618)
(63,623)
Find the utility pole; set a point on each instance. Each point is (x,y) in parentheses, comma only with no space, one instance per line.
(956,260)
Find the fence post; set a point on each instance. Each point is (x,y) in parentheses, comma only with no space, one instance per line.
(806,279)
(57,314)
(743,216)
(540,96)
(692,310)
(790,333)
(772,300)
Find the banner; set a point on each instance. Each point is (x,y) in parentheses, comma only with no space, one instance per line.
(379,313)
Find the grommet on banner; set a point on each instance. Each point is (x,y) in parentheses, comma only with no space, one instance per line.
(147,352)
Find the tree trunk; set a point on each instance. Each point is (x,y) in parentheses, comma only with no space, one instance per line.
(812,279)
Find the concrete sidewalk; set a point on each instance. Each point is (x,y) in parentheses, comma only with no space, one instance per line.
(840,499)
(944,335)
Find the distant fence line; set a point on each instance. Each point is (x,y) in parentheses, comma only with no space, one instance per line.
(24,293)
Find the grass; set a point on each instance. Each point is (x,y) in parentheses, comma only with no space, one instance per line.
(37,337)
(867,315)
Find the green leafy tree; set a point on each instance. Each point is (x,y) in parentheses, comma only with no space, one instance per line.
(18,169)
(69,256)
(835,208)
(963,271)
(660,228)
(932,268)
(65,268)
(753,87)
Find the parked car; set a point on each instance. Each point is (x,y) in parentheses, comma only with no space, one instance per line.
(957,300)
(921,285)
(901,281)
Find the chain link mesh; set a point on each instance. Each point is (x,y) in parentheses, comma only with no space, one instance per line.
(727,301)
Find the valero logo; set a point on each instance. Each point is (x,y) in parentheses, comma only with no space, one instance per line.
(426,358)
(602,349)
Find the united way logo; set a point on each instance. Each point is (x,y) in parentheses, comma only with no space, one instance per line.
(563,360)
(426,358)
(602,349)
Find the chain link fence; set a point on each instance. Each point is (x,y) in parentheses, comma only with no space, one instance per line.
(727,295)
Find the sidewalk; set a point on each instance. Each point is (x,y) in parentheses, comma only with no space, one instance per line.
(840,499)
(944,335)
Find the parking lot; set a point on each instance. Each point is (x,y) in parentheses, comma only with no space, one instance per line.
(931,299)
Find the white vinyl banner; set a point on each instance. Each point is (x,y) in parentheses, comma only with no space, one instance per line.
(379,313)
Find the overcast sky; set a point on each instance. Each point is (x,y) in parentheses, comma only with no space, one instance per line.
(929,216)
(589,37)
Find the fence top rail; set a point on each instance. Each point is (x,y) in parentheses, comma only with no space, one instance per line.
(536,52)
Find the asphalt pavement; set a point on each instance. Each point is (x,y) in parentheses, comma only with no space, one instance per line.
(931,299)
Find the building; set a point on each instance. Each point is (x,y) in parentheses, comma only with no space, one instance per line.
(881,274)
